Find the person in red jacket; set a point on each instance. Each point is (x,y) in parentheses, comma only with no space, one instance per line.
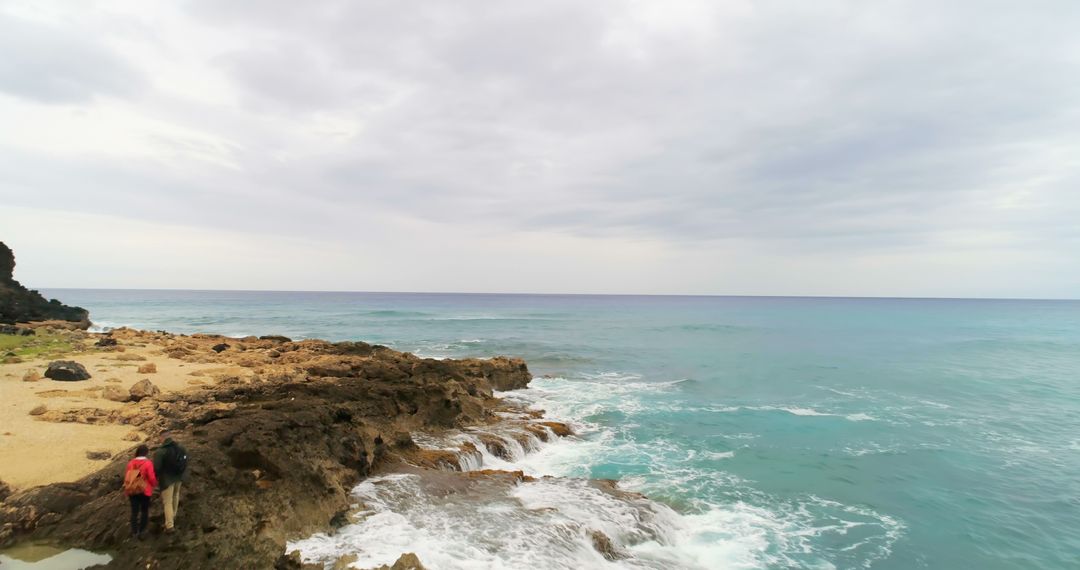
(139,483)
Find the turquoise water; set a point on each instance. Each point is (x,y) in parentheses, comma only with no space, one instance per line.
(790,432)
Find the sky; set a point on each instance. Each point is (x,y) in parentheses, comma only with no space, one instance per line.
(886,148)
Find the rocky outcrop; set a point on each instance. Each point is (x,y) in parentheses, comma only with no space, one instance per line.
(21,305)
(274,452)
(66,371)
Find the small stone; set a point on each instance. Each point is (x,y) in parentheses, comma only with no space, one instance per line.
(113,380)
(133,436)
(31,376)
(148,368)
(98,455)
(37,411)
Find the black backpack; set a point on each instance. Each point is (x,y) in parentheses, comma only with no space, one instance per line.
(176,459)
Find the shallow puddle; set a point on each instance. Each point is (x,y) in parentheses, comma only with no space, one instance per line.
(48,557)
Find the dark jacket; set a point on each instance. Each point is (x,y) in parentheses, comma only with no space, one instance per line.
(166,477)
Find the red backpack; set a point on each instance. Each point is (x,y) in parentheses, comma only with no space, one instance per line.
(134,484)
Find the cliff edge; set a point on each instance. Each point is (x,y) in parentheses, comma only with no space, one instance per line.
(21,305)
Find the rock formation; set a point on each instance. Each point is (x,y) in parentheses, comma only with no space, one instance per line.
(274,453)
(21,305)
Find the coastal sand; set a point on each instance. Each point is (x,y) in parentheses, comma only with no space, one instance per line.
(34,452)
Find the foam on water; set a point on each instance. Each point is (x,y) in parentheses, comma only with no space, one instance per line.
(546,524)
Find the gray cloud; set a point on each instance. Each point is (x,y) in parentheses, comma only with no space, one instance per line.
(52,64)
(842,128)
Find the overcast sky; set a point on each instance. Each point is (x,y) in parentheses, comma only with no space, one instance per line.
(897,148)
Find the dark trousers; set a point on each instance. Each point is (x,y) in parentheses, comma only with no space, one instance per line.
(140,507)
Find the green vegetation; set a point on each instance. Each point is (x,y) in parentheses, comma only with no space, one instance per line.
(40,345)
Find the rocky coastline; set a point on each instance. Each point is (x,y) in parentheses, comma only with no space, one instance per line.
(21,305)
(279,432)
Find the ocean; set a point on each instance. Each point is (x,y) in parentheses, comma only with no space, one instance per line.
(767,432)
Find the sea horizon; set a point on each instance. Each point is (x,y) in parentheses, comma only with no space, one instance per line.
(533,294)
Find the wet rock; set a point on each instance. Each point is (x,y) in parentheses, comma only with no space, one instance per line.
(345,562)
(407,561)
(39,410)
(292,561)
(143,389)
(560,429)
(602,543)
(66,371)
(115,394)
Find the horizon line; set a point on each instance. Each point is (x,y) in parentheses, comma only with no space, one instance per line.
(716,295)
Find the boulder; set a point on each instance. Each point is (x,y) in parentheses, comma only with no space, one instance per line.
(221,347)
(66,371)
(143,389)
(115,394)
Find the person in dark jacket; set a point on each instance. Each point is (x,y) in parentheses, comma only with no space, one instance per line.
(139,483)
(170,463)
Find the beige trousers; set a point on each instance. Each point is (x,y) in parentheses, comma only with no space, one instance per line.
(170,497)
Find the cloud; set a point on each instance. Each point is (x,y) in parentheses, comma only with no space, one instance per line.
(56,64)
(761,133)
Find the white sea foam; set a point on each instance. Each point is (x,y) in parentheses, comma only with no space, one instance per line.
(545,524)
(805,412)
(860,417)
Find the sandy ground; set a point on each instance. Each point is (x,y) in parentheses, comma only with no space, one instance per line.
(34,452)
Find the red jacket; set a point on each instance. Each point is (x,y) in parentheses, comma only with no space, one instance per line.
(146,467)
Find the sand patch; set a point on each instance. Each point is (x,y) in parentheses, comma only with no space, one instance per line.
(34,452)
